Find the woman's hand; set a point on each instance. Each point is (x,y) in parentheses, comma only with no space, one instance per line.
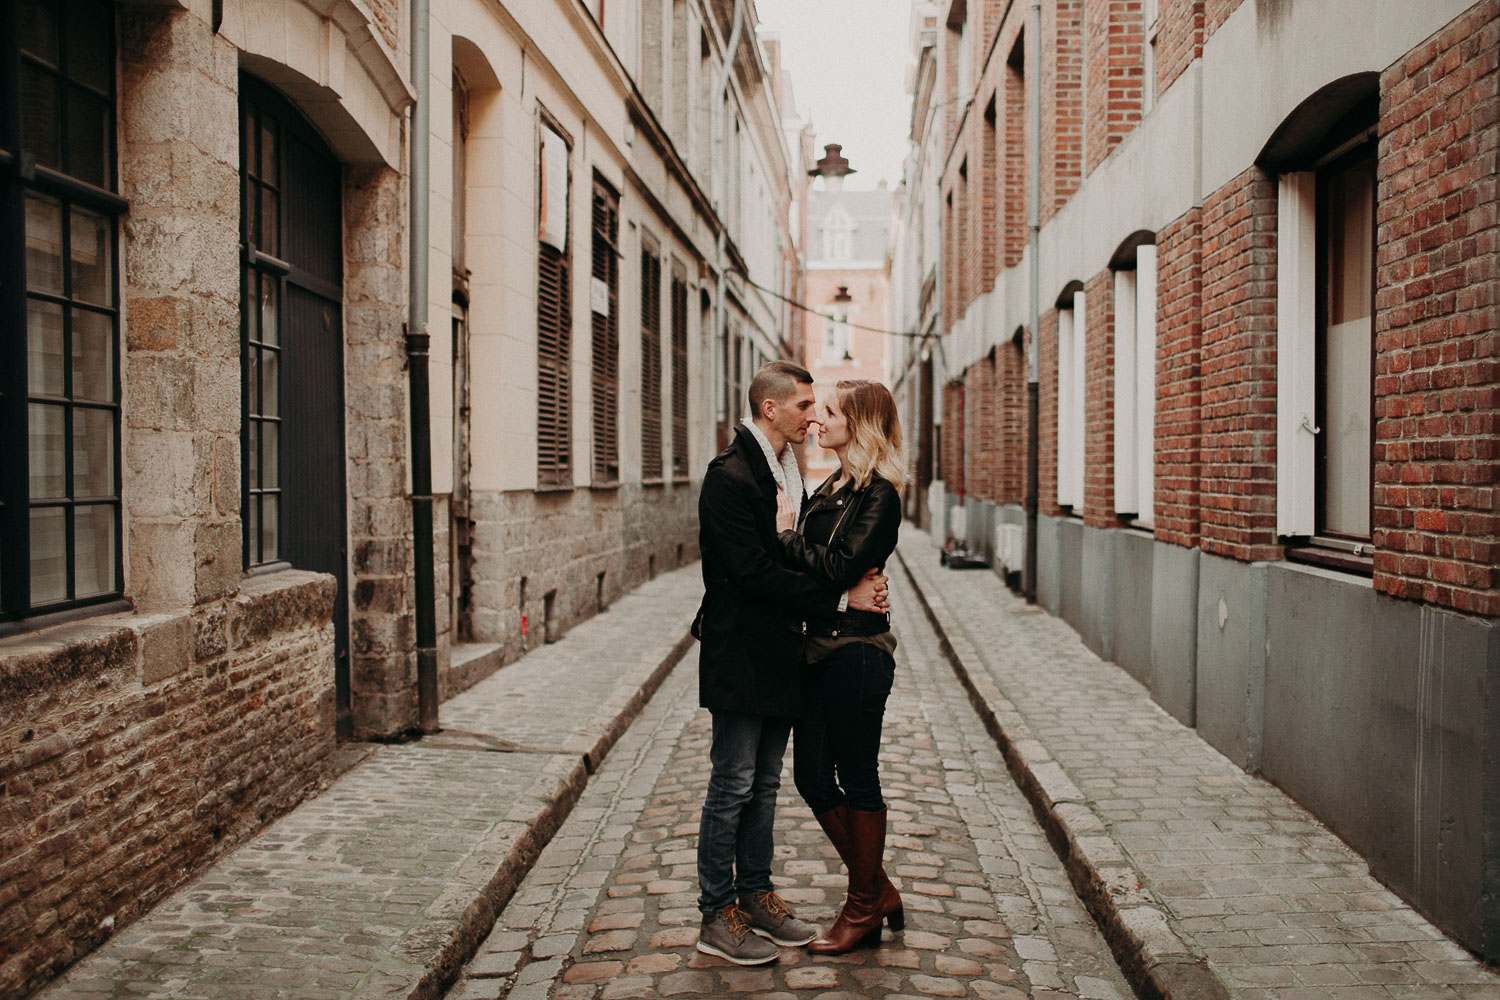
(786,515)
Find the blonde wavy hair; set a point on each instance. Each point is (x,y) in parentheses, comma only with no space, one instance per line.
(874,433)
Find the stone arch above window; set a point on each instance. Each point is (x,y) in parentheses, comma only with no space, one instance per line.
(1337,113)
(332,64)
(1124,257)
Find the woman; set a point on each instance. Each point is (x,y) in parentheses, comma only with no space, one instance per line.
(849,526)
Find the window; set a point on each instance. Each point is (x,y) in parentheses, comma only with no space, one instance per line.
(60,378)
(679,371)
(605,322)
(263,269)
(1072,324)
(1135,385)
(836,342)
(553,312)
(1326,263)
(838,234)
(650,360)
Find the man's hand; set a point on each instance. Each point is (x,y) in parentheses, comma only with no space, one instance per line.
(786,515)
(870,593)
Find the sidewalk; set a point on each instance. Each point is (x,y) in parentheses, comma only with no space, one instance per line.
(384,885)
(1209,882)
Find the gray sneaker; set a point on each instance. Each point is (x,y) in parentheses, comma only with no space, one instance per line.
(769,916)
(727,935)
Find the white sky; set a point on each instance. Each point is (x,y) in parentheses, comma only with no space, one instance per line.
(848,64)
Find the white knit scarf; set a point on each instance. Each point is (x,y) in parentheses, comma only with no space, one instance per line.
(783,467)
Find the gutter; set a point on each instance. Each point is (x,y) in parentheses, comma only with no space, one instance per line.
(418,342)
(1033,321)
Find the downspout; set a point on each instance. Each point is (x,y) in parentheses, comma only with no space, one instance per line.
(1033,323)
(721,323)
(417,343)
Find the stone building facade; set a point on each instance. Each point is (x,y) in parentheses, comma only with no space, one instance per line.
(1267,382)
(207,551)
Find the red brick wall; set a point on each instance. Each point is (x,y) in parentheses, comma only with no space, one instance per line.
(1113,38)
(1179,383)
(1099,403)
(1010,386)
(990,222)
(1437,322)
(1239,369)
(1014,95)
(982,429)
(1179,39)
(1062,104)
(953,437)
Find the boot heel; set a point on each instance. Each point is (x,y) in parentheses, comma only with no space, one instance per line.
(897,919)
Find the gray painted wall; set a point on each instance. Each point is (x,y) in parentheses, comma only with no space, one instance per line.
(1380,716)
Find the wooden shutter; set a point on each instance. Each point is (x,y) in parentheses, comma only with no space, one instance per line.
(679,372)
(552,340)
(605,317)
(650,360)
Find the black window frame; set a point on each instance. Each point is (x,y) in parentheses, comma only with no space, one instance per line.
(46,169)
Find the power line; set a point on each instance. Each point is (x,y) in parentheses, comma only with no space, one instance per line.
(834,319)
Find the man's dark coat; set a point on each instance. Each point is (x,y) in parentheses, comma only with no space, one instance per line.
(754,603)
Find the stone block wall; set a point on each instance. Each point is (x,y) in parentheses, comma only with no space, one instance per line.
(559,543)
(137,748)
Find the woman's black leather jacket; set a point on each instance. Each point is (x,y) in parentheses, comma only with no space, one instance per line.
(842,534)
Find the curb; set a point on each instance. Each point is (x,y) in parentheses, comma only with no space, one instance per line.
(445,967)
(1158,964)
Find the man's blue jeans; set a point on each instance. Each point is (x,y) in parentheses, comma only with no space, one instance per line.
(735,832)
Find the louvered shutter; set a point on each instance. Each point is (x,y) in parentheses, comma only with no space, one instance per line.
(650,361)
(606,336)
(679,373)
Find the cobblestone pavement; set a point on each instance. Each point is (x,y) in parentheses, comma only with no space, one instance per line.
(383,885)
(1192,851)
(609,911)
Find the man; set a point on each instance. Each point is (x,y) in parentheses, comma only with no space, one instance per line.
(749,671)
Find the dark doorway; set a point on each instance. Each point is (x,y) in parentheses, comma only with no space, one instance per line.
(292,350)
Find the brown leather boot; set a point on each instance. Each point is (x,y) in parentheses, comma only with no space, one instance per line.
(872,898)
(835,823)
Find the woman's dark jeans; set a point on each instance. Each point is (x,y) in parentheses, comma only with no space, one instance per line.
(836,746)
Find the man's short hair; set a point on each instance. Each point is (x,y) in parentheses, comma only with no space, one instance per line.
(776,381)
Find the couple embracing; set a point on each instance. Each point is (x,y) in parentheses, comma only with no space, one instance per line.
(795,635)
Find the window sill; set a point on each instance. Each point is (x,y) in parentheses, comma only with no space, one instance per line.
(605,484)
(681,480)
(104,606)
(1361,564)
(555,488)
(654,481)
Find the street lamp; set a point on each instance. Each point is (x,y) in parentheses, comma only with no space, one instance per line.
(833,168)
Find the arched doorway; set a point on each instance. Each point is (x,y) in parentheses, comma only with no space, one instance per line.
(293,496)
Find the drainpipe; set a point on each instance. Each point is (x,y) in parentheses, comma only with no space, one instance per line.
(417,343)
(721,323)
(1033,353)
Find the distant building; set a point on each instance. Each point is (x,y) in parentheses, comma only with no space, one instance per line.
(847,283)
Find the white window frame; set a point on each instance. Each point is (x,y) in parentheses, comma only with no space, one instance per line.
(1296,354)
(838,343)
(1072,334)
(1135,387)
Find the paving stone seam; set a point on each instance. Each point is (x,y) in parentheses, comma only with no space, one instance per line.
(1156,961)
(445,967)
(1040,911)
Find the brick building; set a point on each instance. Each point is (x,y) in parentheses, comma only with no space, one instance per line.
(1267,331)
(208,548)
(847,282)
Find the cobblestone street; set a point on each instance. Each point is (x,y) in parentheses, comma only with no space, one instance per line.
(609,911)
